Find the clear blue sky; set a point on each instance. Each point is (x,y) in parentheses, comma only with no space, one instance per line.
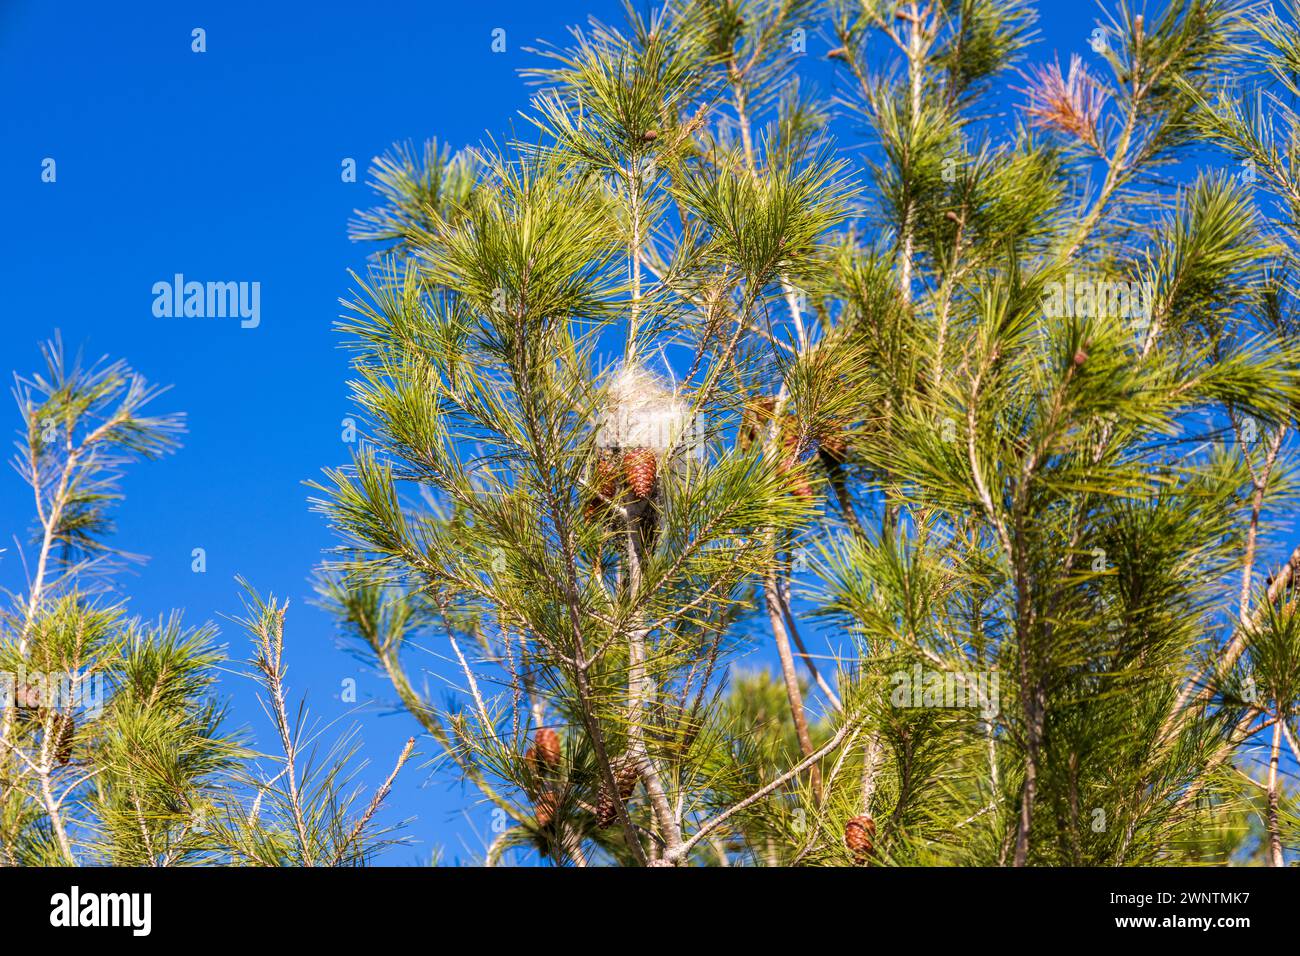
(226,166)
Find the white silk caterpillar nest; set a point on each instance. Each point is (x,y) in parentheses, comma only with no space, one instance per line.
(645,423)
(643,412)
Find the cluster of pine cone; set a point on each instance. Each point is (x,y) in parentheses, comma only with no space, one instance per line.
(634,469)
(832,444)
(545,757)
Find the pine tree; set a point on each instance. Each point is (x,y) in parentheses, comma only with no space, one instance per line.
(1258,666)
(1025,401)
(115,746)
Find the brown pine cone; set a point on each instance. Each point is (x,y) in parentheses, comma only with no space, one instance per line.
(626,776)
(545,808)
(606,475)
(65,728)
(606,809)
(859,833)
(548,750)
(639,466)
(605,480)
